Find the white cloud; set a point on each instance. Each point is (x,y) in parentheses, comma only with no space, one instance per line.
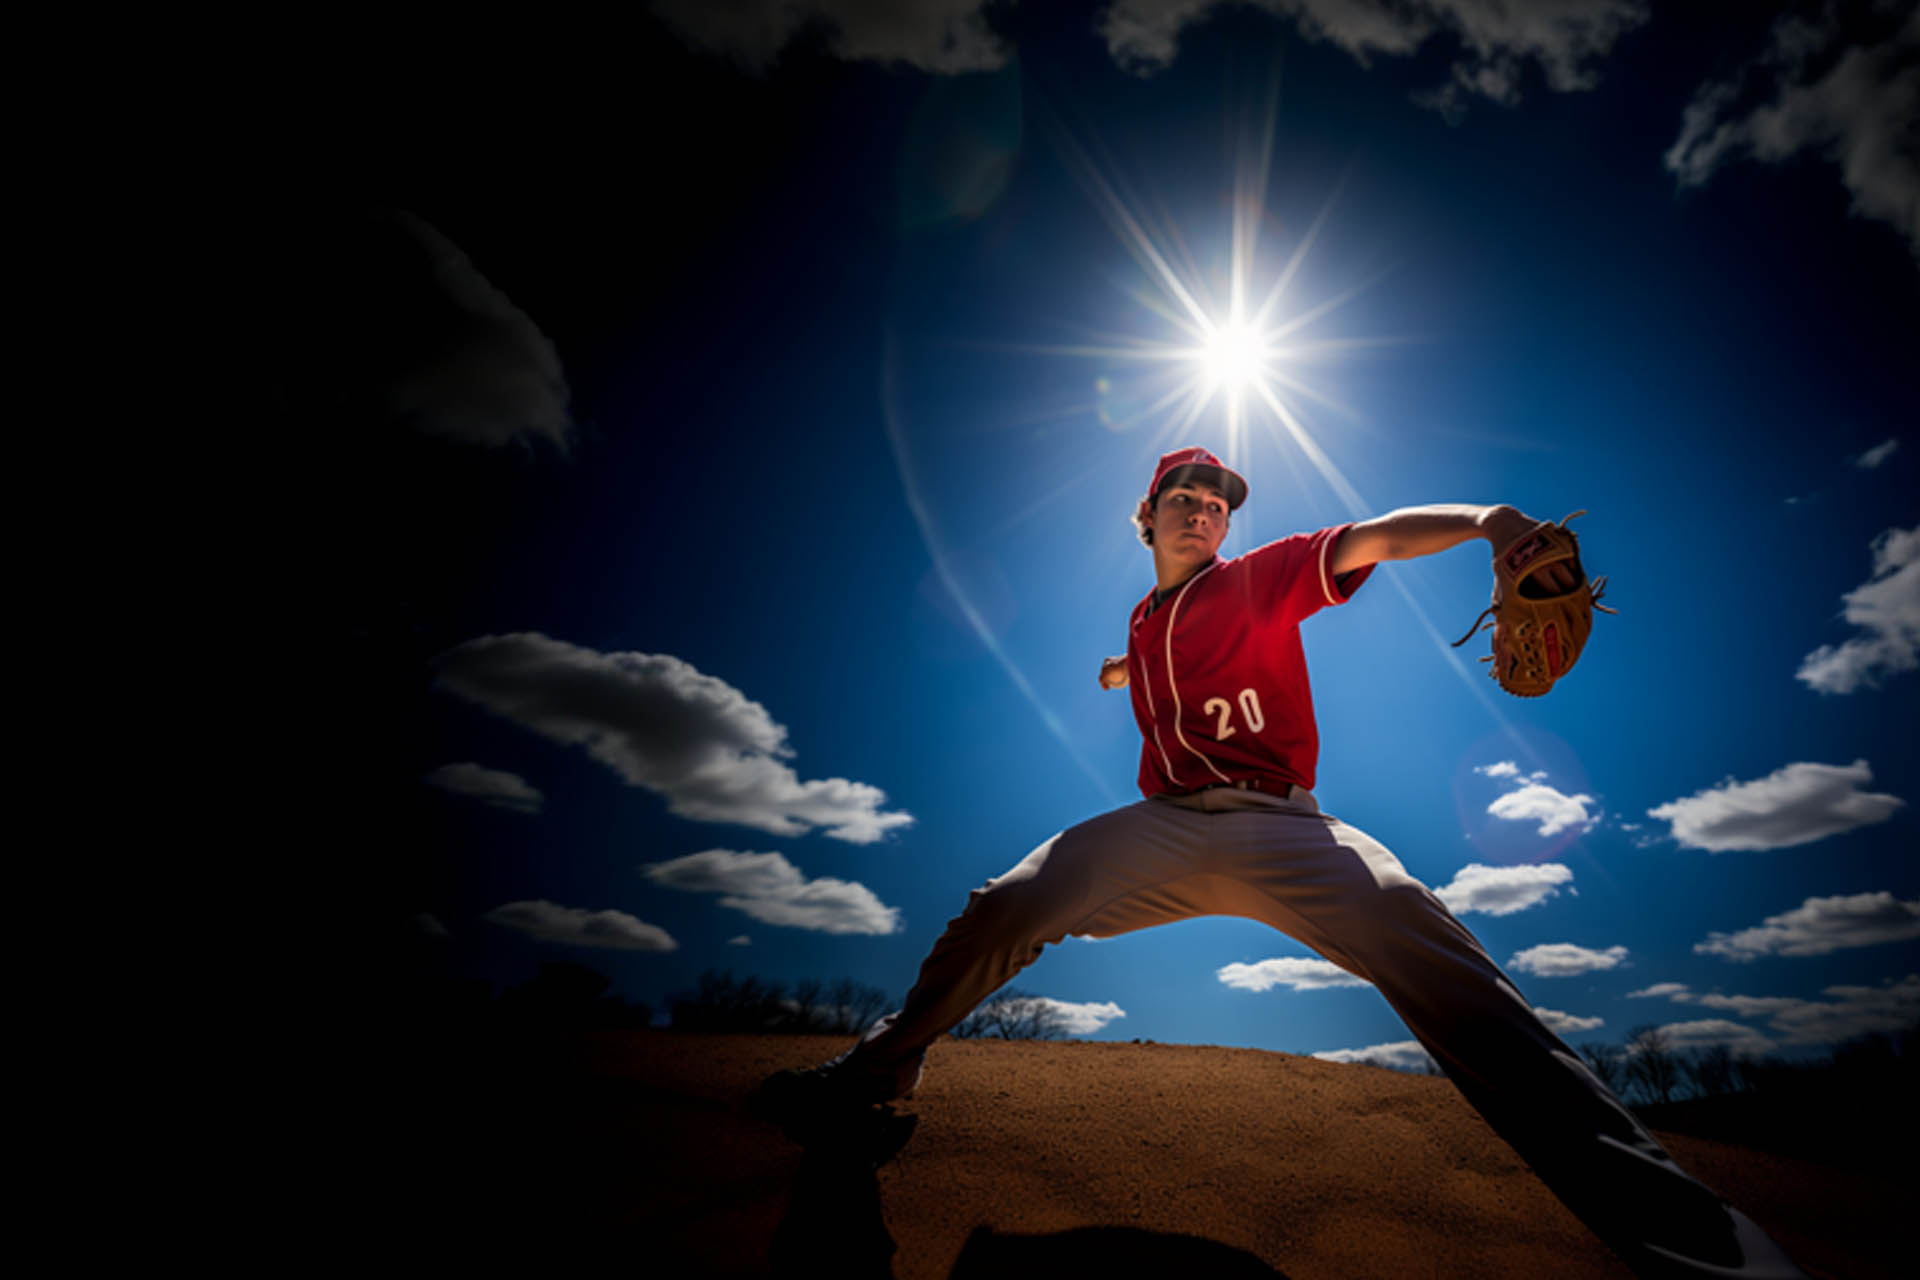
(1812,91)
(1400,1055)
(1796,804)
(1565,959)
(1748,1006)
(1886,609)
(740,940)
(613,930)
(489,377)
(1292,972)
(1853,1011)
(1877,455)
(496,787)
(1820,925)
(1553,810)
(1683,1037)
(945,36)
(715,755)
(1669,990)
(1501,891)
(1496,40)
(1078,1019)
(773,891)
(430,926)
(1499,769)
(1562,1024)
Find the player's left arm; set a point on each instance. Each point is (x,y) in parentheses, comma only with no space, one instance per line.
(1411,532)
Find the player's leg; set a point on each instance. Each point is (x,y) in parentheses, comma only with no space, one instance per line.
(1342,893)
(1117,857)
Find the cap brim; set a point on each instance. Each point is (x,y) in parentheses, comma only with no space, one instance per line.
(1227,482)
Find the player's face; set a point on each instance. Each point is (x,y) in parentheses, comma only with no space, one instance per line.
(1189,522)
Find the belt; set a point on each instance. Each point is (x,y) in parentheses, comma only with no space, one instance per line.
(1269,786)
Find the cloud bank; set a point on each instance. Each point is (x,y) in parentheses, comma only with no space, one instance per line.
(1793,805)
(489,377)
(1401,1055)
(1565,960)
(1076,1019)
(1852,1011)
(773,891)
(1501,891)
(1819,926)
(610,930)
(1849,1011)
(496,787)
(1565,1024)
(942,36)
(710,751)
(1684,1037)
(1495,42)
(1813,91)
(1886,609)
(1294,973)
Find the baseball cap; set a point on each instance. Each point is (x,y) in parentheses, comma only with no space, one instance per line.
(1209,469)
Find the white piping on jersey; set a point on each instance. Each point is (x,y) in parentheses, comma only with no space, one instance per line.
(1326,582)
(1153,717)
(1173,616)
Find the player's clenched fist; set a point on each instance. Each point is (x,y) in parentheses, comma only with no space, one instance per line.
(1113,673)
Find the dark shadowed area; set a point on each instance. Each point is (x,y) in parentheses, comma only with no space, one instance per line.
(1020,1158)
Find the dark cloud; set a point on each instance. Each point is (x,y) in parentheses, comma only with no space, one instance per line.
(1851,99)
(773,891)
(942,36)
(496,787)
(713,754)
(611,930)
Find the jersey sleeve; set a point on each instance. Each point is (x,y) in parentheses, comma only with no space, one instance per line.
(1293,578)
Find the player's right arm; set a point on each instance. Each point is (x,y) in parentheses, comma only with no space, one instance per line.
(1422,531)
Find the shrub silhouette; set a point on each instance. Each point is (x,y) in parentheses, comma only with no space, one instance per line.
(720,1001)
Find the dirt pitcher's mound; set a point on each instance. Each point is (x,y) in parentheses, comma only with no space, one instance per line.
(1036,1159)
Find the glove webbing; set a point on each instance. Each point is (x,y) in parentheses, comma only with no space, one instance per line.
(1598,590)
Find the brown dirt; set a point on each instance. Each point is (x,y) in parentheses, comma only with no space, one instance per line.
(1039,1158)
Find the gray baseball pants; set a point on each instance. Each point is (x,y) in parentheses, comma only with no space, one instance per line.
(1228,851)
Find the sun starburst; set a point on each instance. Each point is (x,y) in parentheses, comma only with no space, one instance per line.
(1238,360)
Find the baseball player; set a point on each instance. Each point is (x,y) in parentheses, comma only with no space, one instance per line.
(1229,826)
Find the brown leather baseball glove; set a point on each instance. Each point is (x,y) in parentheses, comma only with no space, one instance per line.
(1538,630)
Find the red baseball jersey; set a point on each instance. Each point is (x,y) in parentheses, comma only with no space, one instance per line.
(1218,677)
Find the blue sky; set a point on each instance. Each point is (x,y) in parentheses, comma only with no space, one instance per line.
(736,427)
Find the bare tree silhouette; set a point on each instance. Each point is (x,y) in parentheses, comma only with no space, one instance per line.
(1652,1065)
(1012,1014)
(1608,1061)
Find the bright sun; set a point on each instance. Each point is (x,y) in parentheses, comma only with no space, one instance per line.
(1233,355)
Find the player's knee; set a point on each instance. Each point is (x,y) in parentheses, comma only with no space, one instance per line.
(1011,911)
(1409,910)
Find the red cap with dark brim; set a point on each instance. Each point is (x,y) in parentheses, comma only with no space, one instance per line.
(1195,463)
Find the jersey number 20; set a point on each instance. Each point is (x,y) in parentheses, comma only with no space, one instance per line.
(1249,711)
